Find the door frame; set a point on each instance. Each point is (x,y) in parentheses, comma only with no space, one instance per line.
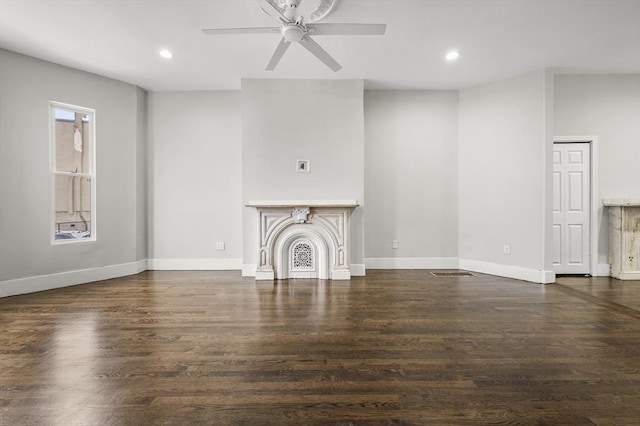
(593,193)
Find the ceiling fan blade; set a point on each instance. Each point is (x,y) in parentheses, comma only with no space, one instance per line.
(252,30)
(271,9)
(346,29)
(317,51)
(277,55)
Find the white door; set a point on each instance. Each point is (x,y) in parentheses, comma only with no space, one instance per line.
(571,208)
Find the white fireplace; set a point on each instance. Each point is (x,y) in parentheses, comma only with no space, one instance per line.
(624,238)
(303,239)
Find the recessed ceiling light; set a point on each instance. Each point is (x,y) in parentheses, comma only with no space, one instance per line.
(166,54)
(452,55)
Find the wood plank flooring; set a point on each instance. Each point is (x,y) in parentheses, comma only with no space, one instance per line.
(394,347)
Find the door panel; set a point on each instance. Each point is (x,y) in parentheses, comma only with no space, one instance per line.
(575,157)
(557,244)
(575,245)
(557,196)
(571,208)
(575,192)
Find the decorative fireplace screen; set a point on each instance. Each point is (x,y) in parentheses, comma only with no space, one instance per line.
(302,257)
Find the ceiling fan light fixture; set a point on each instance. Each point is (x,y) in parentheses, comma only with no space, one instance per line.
(165,53)
(452,55)
(292,33)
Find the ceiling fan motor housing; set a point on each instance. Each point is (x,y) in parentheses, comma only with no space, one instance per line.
(292,33)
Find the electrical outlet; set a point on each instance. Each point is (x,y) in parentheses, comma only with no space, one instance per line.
(394,244)
(220,245)
(506,249)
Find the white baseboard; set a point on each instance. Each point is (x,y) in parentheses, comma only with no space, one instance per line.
(142,265)
(66,279)
(547,277)
(412,263)
(69,278)
(195,264)
(508,271)
(629,275)
(358,270)
(603,270)
(248,270)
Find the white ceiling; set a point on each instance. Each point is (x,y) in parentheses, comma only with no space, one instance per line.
(497,39)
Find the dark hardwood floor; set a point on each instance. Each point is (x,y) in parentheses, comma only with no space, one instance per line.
(396,347)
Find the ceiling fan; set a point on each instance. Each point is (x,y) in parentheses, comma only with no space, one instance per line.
(294,30)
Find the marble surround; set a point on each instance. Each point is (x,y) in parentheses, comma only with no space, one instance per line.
(624,238)
(321,225)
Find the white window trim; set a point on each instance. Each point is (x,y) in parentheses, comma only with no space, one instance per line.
(53,173)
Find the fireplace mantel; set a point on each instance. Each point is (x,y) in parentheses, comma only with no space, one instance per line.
(303,238)
(302,203)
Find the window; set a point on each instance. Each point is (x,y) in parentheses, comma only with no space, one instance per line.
(73,180)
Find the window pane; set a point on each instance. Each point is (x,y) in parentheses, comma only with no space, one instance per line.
(72,133)
(73,207)
(72,171)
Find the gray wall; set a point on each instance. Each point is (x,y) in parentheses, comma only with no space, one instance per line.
(319,121)
(608,107)
(503,184)
(142,170)
(411,173)
(195,185)
(26,87)
(447,174)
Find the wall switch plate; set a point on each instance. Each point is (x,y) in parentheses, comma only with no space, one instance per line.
(506,249)
(394,244)
(220,245)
